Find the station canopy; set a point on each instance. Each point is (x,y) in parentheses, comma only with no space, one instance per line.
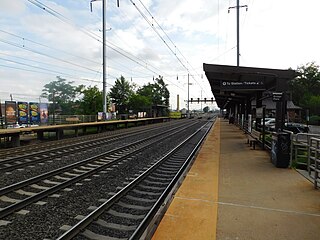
(232,85)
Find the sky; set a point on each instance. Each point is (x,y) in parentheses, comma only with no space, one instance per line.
(43,39)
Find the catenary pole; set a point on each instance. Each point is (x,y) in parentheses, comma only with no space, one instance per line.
(238,33)
(188,97)
(238,27)
(104,51)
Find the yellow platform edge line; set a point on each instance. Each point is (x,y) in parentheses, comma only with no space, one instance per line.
(193,213)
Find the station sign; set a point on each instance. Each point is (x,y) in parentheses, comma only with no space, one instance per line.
(277,96)
(242,85)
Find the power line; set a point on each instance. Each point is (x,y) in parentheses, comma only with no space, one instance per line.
(47,64)
(175,46)
(47,55)
(156,31)
(90,34)
(49,72)
(46,46)
(164,41)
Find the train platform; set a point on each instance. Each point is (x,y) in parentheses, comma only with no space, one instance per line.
(233,192)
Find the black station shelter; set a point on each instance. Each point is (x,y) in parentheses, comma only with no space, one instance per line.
(240,90)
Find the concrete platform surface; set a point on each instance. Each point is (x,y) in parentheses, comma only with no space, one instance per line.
(233,192)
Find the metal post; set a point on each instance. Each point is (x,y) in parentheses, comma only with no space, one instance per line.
(54,108)
(238,33)
(104,75)
(1,119)
(238,28)
(188,97)
(201,99)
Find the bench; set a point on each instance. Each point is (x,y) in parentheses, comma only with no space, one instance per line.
(253,138)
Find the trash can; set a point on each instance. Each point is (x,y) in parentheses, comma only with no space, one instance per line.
(280,149)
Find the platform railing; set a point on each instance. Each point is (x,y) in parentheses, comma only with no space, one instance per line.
(300,149)
(314,160)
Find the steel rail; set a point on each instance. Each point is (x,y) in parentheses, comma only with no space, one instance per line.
(103,140)
(73,141)
(80,226)
(25,202)
(140,230)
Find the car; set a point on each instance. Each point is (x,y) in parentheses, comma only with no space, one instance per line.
(296,128)
(270,123)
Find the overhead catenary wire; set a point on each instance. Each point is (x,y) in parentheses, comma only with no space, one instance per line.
(49,72)
(163,40)
(49,47)
(47,64)
(144,64)
(92,35)
(175,46)
(96,37)
(47,55)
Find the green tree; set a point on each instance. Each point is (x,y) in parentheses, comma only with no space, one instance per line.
(139,103)
(305,87)
(120,94)
(62,94)
(157,92)
(91,102)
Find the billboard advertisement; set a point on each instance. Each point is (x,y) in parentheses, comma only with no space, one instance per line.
(23,113)
(10,112)
(43,112)
(34,112)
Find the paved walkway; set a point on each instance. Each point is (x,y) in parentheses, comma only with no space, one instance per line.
(234,193)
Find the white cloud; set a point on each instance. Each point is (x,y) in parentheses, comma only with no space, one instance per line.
(15,8)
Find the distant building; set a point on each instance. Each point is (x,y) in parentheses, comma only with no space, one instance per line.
(293,111)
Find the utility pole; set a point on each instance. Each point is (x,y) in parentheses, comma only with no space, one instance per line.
(188,96)
(238,28)
(104,53)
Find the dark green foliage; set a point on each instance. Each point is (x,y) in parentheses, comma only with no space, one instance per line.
(305,88)
(71,100)
(120,94)
(158,95)
(62,95)
(157,92)
(139,103)
(91,102)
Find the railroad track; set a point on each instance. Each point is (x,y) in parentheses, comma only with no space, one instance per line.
(43,155)
(72,192)
(129,213)
(20,152)
(32,190)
